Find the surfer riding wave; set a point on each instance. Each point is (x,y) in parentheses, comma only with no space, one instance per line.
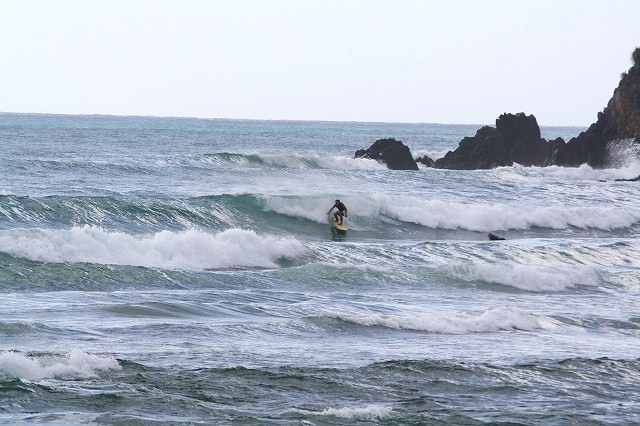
(340,213)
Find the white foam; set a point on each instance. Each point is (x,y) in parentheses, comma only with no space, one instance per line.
(525,277)
(583,172)
(489,217)
(497,319)
(370,412)
(74,365)
(348,163)
(192,249)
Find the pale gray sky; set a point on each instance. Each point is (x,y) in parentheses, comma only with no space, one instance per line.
(348,60)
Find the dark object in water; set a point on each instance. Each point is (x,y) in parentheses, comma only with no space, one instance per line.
(494,237)
(393,153)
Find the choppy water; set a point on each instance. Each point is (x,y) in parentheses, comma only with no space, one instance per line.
(183,271)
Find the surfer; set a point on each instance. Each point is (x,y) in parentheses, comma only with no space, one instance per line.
(342,211)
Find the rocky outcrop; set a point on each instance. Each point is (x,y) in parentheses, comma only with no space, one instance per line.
(426,161)
(619,120)
(393,153)
(515,139)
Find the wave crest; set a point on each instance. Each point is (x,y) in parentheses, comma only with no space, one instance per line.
(497,319)
(74,365)
(525,277)
(296,161)
(490,217)
(191,249)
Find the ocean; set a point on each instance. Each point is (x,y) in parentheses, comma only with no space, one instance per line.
(158,271)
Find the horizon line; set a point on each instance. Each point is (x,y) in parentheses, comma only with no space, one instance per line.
(187,117)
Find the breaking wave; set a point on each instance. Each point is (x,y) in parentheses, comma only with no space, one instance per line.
(72,366)
(191,249)
(498,319)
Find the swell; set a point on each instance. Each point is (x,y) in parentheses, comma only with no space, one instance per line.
(134,214)
(88,257)
(397,391)
(372,214)
(47,166)
(497,319)
(115,212)
(492,320)
(520,266)
(292,161)
(20,274)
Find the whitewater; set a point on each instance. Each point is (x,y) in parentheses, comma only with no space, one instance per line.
(183,271)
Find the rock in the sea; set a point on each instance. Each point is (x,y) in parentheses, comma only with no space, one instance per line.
(391,152)
(494,237)
(426,161)
(516,138)
(635,179)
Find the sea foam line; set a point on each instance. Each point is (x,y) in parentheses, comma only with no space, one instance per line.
(370,412)
(491,320)
(191,249)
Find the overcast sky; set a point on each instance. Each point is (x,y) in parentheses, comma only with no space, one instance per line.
(394,61)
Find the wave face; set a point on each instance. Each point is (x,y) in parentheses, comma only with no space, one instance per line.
(183,271)
(377,213)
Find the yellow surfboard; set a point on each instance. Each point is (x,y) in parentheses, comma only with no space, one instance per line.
(336,225)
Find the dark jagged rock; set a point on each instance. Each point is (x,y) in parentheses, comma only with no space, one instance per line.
(494,237)
(391,152)
(619,120)
(518,127)
(426,161)
(515,139)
